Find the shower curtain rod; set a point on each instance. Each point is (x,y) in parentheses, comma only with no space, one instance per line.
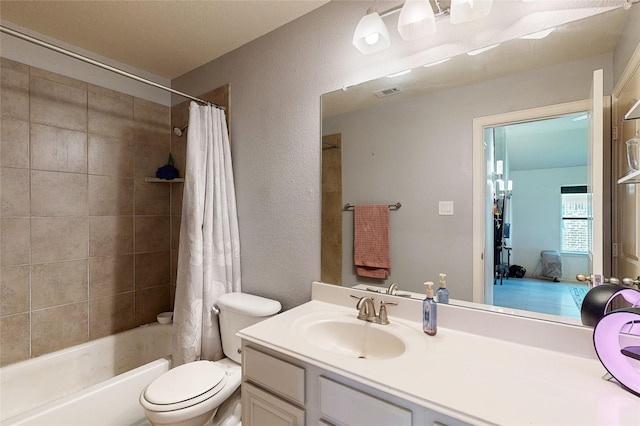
(102,65)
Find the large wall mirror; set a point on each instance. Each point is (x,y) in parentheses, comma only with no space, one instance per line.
(408,139)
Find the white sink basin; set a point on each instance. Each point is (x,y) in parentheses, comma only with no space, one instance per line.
(347,336)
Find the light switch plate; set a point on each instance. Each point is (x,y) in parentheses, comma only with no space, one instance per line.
(445,208)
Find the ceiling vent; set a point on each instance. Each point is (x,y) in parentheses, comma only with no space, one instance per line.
(388,92)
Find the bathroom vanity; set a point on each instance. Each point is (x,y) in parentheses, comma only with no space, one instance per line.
(319,364)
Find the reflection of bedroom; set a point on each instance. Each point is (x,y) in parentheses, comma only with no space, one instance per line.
(540,196)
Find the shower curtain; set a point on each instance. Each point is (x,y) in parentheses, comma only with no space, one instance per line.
(209,250)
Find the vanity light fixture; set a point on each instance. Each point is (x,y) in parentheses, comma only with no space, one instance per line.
(499,164)
(371,34)
(417,19)
(469,10)
(501,189)
(482,49)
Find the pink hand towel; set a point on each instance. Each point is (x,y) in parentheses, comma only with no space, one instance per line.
(371,240)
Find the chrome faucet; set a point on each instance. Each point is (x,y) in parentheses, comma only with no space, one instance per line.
(367,310)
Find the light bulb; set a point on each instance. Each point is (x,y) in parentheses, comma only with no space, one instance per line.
(372,38)
(371,34)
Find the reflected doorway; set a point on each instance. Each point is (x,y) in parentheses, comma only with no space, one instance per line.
(538,220)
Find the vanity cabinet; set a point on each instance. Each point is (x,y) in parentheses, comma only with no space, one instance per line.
(273,391)
(281,390)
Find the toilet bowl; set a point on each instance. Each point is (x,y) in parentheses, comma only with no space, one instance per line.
(190,394)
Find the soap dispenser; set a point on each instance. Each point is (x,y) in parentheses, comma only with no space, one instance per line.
(442,295)
(429,312)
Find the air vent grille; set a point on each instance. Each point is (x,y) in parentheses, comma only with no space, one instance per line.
(388,92)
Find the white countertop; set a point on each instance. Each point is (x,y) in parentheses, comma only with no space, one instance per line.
(480,380)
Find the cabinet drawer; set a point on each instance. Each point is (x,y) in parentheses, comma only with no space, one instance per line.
(346,406)
(260,408)
(274,374)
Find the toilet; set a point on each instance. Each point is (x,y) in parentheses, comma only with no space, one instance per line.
(190,394)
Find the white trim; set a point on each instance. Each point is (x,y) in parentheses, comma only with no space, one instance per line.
(479,172)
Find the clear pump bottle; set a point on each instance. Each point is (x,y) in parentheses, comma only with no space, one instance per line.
(429,312)
(442,295)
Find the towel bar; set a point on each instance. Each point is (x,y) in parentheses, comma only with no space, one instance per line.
(395,206)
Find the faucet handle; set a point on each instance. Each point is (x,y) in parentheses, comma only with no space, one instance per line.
(382,316)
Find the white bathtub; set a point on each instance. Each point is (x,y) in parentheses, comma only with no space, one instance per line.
(95,383)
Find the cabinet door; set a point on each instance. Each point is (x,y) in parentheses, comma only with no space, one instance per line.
(260,408)
(342,405)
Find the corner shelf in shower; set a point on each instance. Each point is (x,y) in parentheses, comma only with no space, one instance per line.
(158,180)
(631,178)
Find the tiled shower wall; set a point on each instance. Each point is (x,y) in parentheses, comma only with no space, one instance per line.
(85,241)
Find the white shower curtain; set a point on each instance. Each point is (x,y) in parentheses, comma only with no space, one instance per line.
(209,251)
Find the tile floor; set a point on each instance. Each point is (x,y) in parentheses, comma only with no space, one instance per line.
(538,296)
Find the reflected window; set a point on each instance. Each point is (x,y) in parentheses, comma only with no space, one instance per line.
(575,219)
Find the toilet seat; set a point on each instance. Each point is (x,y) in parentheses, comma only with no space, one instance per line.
(184,386)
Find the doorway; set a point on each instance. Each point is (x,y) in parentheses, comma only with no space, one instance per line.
(529,157)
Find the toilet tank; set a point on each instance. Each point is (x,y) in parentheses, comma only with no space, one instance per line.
(238,311)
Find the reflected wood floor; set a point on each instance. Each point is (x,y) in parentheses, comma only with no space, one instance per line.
(555,298)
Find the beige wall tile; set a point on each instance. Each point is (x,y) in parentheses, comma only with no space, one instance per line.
(15,338)
(110,156)
(112,314)
(59,327)
(14,142)
(110,275)
(148,157)
(13,65)
(14,192)
(152,233)
(58,238)
(58,194)
(153,269)
(176,198)
(15,241)
(174,268)
(59,78)
(68,155)
(332,179)
(110,116)
(110,235)
(14,91)
(58,283)
(152,122)
(56,149)
(58,104)
(110,196)
(150,302)
(175,231)
(179,151)
(151,198)
(14,290)
(103,91)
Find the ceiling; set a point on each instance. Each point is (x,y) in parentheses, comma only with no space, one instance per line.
(165,38)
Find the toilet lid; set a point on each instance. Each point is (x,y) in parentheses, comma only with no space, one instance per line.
(184,382)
